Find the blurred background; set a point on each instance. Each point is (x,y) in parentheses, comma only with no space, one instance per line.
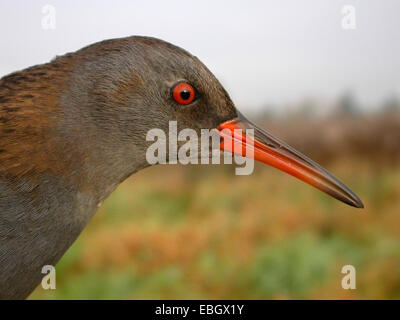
(324,77)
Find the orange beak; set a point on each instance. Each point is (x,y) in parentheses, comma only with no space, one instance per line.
(266,148)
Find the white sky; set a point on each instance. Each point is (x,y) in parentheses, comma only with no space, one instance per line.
(264,52)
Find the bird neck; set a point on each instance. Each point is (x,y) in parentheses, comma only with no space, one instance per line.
(56,167)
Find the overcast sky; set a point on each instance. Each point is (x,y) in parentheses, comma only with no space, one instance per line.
(273,53)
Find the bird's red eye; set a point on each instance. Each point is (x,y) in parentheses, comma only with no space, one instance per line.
(183,93)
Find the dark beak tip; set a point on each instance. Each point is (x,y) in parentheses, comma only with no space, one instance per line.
(356,202)
(360,205)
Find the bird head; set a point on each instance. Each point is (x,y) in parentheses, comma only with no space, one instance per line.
(112,93)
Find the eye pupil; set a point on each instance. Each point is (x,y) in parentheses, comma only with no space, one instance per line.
(185,94)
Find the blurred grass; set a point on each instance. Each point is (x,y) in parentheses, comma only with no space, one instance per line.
(187,232)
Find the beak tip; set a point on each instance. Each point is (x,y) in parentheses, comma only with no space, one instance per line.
(360,205)
(356,202)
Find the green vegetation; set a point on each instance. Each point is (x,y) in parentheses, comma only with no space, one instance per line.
(181,232)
